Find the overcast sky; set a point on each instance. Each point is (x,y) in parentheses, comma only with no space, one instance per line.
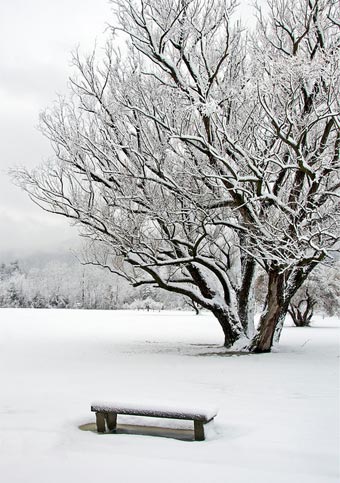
(36,39)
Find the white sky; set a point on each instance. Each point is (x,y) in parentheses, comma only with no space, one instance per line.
(36,39)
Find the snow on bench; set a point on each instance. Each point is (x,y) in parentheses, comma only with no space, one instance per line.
(106,415)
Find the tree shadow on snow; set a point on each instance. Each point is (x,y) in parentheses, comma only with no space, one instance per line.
(189,350)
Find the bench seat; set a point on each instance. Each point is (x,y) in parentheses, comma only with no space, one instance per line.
(106,415)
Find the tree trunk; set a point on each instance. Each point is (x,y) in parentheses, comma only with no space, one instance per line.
(246,299)
(275,312)
(230,324)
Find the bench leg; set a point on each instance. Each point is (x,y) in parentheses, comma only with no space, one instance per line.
(100,420)
(199,431)
(111,421)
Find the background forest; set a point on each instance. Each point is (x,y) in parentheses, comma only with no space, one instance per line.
(62,282)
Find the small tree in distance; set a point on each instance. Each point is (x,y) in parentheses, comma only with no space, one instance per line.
(202,154)
(320,294)
(302,311)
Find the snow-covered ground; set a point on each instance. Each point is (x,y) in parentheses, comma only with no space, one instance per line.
(278,418)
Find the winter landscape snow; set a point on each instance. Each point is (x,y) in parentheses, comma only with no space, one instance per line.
(194,146)
(278,418)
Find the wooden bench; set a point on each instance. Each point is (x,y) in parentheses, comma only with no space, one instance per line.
(106,415)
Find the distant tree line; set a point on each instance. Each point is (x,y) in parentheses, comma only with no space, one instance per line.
(74,286)
(70,285)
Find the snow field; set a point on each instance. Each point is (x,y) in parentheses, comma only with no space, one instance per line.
(278,418)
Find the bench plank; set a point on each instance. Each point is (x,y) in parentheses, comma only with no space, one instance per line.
(171,413)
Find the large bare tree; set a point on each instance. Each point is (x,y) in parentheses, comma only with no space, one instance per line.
(201,152)
(297,137)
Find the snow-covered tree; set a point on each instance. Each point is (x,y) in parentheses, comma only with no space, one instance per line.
(11,285)
(302,311)
(320,294)
(200,154)
(297,137)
